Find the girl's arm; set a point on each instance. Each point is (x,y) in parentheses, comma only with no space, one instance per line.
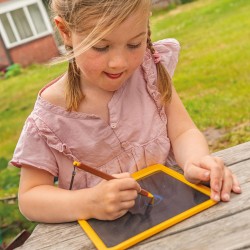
(192,153)
(40,200)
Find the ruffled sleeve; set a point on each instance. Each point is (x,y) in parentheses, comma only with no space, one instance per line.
(32,150)
(168,50)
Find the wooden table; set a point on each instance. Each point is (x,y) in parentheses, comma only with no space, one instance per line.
(223,226)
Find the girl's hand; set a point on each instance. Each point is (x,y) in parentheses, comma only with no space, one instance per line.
(112,199)
(209,168)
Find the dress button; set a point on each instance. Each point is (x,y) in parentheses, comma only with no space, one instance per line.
(113,125)
(124,145)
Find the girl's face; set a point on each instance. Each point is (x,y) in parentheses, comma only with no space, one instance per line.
(113,60)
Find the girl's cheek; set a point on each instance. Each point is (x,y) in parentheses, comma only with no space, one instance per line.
(138,59)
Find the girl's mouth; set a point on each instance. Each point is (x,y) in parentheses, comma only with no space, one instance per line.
(113,76)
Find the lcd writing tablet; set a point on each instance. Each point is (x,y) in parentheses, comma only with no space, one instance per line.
(175,199)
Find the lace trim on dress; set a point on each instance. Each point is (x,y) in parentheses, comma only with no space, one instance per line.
(150,75)
(168,50)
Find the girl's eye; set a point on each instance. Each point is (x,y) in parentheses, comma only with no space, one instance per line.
(101,49)
(134,46)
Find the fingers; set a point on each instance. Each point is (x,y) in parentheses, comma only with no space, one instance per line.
(236,185)
(117,206)
(217,176)
(116,209)
(122,175)
(115,214)
(230,184)
(117,196)
(222,181)
(127,195)
(128,182)
(227,185)
(196,174)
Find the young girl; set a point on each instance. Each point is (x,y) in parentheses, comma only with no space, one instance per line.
(115,109)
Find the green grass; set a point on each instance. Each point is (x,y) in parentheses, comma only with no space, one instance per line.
(213,76)
(17,98)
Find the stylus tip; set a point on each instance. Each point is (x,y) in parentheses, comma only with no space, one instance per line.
(151,198)
(150,195)
(152,201)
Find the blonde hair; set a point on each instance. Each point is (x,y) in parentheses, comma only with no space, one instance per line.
(164,81)
(98,18)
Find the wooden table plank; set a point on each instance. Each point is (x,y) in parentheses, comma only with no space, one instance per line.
(227,233)
(235,154)
(205,230)
(58,236)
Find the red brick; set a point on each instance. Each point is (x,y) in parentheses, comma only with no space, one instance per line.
(37,51)
(3,57)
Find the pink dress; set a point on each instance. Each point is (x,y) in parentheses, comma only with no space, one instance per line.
(135,138)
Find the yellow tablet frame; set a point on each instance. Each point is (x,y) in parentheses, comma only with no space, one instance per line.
(161,226)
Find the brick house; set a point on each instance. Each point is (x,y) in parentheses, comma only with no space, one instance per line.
(26,34)
(157,4)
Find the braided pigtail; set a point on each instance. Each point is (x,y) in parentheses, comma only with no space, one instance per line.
(74,93)
(164,80)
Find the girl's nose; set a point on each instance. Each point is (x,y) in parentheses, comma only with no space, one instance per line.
(118,61)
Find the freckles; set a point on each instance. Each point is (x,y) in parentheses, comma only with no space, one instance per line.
(138,57)
(137,60)
(95,63)
(94,67)
(89,65)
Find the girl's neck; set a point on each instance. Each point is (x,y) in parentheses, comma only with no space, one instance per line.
(96,102)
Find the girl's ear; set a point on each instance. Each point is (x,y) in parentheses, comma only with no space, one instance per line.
(65,33)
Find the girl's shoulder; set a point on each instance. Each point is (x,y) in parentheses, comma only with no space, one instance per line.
(54,92)
(168,49)
(168,43)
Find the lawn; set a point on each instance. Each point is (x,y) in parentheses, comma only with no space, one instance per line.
(212,78)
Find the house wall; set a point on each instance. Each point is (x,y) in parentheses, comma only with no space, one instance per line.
(3,57)
(163,3)
(38,51)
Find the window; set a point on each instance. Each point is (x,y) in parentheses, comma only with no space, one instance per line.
(37,18)
(22,24)
(8,29)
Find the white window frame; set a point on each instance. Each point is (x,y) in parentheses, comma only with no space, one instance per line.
(14,5)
